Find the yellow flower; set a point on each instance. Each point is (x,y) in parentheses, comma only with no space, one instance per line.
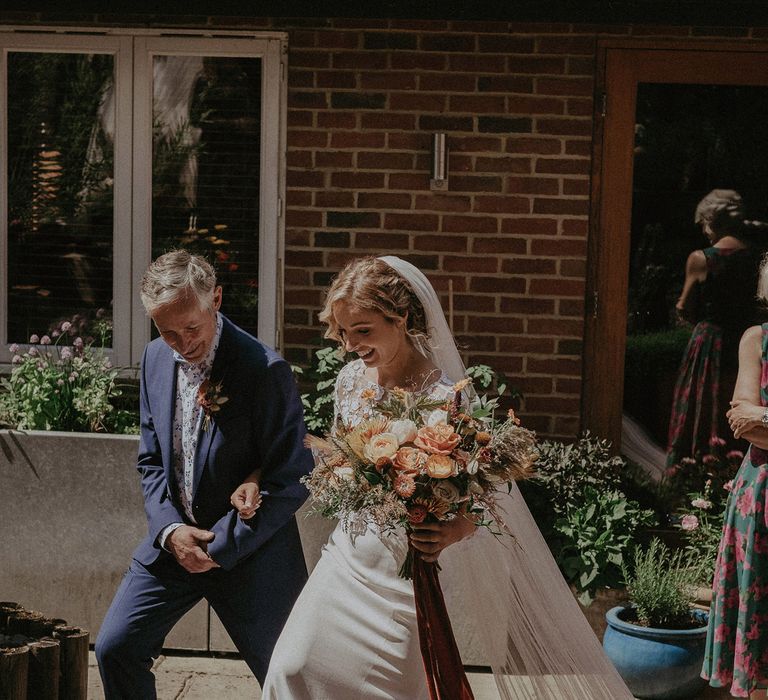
(458,386)
(440,466)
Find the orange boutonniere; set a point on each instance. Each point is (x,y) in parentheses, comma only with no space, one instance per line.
(210,399)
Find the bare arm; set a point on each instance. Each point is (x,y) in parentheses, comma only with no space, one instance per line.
(695,272)
(746,412)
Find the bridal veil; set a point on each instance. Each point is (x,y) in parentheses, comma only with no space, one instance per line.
(521,611)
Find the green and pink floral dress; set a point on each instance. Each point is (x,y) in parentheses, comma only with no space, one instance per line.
(737,638)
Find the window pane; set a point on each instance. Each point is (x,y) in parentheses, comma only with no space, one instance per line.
(60,193)
(205,172)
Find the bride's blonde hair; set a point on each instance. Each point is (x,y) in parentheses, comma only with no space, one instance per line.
(369,283)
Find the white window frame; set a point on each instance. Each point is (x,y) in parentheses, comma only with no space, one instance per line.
(134,51)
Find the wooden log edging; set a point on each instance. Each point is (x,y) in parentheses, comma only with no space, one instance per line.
(41,658)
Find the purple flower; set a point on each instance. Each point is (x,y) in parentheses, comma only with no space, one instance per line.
(100,313)
(34,339)
(701,503)
(60,382)
(716,441)
(13,347)
(56,333)
(78,342)
(16,360)
(32,352)
(72,377)
(65,326)
(45,340)
(66,353)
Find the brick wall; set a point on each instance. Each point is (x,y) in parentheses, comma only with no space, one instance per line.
(510,233)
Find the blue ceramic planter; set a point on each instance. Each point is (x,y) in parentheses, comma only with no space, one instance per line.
(656,664)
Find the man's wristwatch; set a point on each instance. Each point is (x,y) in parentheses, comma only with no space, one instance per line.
(764,418)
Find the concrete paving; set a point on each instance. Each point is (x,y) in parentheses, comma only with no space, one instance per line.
(225,678)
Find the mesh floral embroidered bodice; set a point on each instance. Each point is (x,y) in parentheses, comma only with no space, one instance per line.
(352,405)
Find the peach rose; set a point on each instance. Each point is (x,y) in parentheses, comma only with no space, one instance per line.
(409,459)
(437,439)
(381,445)
(440,466)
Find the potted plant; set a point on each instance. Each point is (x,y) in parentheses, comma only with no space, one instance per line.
(657,641)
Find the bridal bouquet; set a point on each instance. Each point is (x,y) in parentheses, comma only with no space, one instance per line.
(419,459)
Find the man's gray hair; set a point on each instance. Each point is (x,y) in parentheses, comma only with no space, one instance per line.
(175,275)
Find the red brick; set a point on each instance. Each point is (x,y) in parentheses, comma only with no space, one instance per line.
(501,205)
(334,159)
(560,206)
(334,200)
(383,200)
(330,39)
(466,264)
(478,343)
(542,425)
(530,266)
(571,307)
(298,159)
(296,277)
(503,164)
(473,302)
(486,104)
(505,84)
(337,120)
(346,139)
(358,181)
(500,245)
(470,224)
(566,428)
(299,198)
(579,106)
(572,87)
(556,328)
(536,65)
(360,60)
(527,306)
(388,80)
(530,227)
(532,185)
(418,61)
(564,127)
(304,258)
(448,42)
(386,120)
(440,243)
(443,202)
(573,45)
(556,366)
(563,166)
(491,324)
(411,222)
(659,30)
(526,344)
(382,241)
(336,79)
(503,43)
(567,385)
(527,385)
(308,59)
(497,285)
(475,183)
(409,142)
(508,364)
(477,63)
(303,39)
(541,146)
(475,144)
(535,105)
(459,283)
(571,346)
(556,287)
(304,99)
(408,181)
(383,160)
(304,178)
(721,31)
(573,268)
(574,227)
(552,404)
(447,82)
(559,247)
(300,118)
(578,65)
(581,147)
(417,102)
(304,138)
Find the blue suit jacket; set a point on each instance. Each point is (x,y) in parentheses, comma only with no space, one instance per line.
(261,425)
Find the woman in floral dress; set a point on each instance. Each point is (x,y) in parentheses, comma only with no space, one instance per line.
(718,296)
(737,638)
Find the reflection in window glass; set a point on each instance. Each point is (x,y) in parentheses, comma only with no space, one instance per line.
(205,172)
(60,198)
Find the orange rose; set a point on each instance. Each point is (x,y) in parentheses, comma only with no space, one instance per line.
(440,466)
(409,459)
(437,439)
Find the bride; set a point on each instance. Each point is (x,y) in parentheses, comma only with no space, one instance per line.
(352,632)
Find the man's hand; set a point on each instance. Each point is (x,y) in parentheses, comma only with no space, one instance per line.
(246,499)
(189,545)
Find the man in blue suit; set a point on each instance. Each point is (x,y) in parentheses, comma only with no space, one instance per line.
(217,405)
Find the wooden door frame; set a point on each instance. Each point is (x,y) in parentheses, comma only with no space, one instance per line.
(621,66)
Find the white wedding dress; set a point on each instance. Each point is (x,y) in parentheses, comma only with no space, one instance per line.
(352,633)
